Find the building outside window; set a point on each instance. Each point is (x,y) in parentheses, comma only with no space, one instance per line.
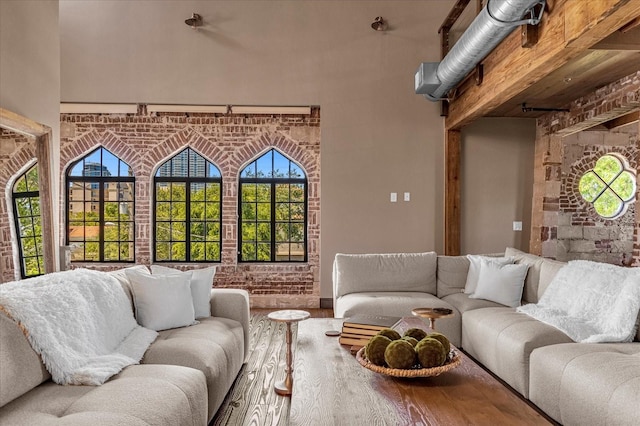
(26,211)
(100,209)
(187,209)
(610,186)
(273,210)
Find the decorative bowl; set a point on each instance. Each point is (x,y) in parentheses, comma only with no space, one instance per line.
(453,360)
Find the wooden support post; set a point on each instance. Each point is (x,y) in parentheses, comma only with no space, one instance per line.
(46,201)
(529,35)
(452,193)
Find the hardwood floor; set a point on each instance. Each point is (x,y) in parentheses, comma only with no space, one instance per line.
(252,399)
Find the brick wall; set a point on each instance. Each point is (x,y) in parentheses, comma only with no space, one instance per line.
(581,232)
(230,141)
(568,144)
(17,153)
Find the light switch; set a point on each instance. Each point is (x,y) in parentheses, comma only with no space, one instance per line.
(407,196)
(517,226)
(394,197)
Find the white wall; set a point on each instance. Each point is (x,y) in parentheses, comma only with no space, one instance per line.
(30,68)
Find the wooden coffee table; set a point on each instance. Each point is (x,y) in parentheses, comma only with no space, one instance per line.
(332,388)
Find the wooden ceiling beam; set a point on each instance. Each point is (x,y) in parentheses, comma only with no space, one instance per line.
(11,121)
(632,117)
(567,29)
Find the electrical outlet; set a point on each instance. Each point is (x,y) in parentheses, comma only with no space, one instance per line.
(517,226)
(407,196)
(394,197)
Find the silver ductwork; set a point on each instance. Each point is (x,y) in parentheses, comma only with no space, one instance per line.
(495,22)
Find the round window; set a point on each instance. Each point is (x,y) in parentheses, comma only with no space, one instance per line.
(610,186)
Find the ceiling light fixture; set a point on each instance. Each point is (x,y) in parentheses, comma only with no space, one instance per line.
(379,24)
(195,21)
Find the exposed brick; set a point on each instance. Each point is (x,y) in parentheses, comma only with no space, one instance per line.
(144,141)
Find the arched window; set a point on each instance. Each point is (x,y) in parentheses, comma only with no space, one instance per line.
(610,186)
(100,209)
(26,211)
(273,206)
(188,209)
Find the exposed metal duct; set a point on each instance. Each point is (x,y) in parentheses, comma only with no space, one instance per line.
(495,22)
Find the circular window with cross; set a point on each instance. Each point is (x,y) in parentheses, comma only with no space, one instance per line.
(610,186)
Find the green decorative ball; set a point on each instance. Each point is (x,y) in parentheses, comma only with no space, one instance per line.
(430,353)
(442,339)
(400,354)
(375,349)
(390,333)
(416,333)
(411,340)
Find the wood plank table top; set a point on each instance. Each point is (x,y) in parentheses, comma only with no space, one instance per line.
(330,387)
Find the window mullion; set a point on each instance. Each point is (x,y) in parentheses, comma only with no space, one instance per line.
(273,221)
(101,185)
(187,220)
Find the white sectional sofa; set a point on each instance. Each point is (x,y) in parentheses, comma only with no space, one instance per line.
(573,383)
(182,379)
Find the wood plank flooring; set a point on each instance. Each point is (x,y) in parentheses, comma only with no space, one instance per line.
(252,400)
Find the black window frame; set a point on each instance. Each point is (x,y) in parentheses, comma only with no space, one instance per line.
(29,194)
(273,181)
(98,183)
(187,181)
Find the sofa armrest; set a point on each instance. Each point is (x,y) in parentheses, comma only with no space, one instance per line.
(232,303)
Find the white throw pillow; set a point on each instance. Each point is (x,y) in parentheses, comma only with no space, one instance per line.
(474,269)
(162,301)
(201,283)
(501,283)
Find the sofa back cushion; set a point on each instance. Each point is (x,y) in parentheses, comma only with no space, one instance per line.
(548,270)
(531,282)
(358,273)
(121,276)
(452,274)
(21,368)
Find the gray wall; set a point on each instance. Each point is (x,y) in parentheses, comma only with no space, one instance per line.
(497,184)
(30,67)
(377,135)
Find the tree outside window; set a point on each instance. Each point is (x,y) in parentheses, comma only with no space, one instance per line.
(610,186)
(188,209)
(26,209)
(100,209)
(273,211)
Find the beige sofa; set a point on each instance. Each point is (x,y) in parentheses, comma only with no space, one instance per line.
(574,383)
(182,379)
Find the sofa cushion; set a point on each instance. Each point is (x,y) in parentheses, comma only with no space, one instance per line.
(121,276)
(398,304)
(162,302)
(451,275)
(548,271)
(530,292)
(21,368)
(503,339)
(462,302)
(475,262)
(411,272)
(215,347)
(139,395)
(587,383)
(201,283)
(500,283)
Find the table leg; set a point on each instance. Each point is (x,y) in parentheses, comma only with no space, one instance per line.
(432,324)
(285,386)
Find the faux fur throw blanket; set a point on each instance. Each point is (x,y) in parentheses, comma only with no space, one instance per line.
(80,322)
(591,302)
